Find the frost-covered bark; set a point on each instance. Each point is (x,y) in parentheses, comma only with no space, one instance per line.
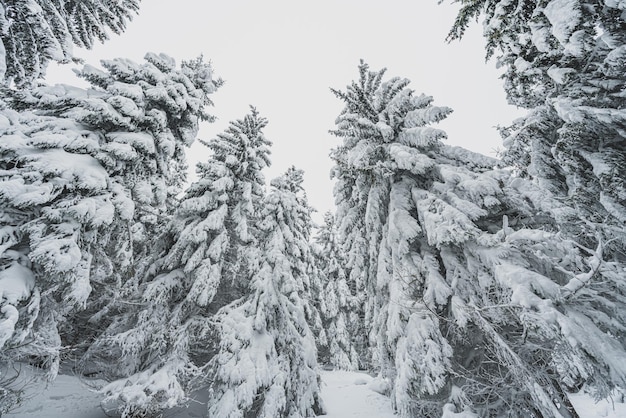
(266,365)
(565,62)
(85,173)
(202,261)
(481,304)
(35,32)
(338,304)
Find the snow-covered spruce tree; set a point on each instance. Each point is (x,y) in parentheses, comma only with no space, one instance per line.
(148,113)
(358,193)
(266,364)
(482,306)
(83,171)
(35,32)
(233,174)
(365,174)
(565,62)
(57,205)
(309,267)
(202,262)
(338,310)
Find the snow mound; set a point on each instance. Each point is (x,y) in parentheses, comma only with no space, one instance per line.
(361,381)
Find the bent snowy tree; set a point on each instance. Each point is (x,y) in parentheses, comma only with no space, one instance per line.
(84,174)
(474,296)
(565,62)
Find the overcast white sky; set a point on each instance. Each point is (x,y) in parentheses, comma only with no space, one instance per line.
(283,55)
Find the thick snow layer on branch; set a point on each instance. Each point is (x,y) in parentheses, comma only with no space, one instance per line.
(539,35)
(564,16)
(559,75)
(407,159)
(16,284)
(83,169)
(131,91)
(529,289)
(144,388)
(140,141)
(25,195)
(442,223)
(469,159)
(59,255)
(424,116)
(122,152)
(422,137)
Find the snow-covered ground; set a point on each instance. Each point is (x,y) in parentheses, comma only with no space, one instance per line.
(67,396)
(345,394)
(608,408)
(350,394)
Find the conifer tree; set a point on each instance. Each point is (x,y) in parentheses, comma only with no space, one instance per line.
(202,261)
(84,172)
(148,113)
(233,175)
(58,204)
(338,303)
(266,364)
(482,305)
(35,32)
(564,61)
(364,175)
(308,265)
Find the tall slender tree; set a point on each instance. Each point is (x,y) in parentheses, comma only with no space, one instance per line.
(266,366)
(364,175)
(338,307)
(309,268)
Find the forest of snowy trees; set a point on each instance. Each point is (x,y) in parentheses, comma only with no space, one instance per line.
(473,286)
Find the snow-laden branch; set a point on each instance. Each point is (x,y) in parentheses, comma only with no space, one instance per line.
(506,355)
(581,280)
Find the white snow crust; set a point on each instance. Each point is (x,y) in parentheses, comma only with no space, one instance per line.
(345,395)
